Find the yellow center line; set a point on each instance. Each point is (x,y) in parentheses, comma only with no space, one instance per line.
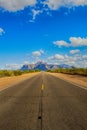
(42,88)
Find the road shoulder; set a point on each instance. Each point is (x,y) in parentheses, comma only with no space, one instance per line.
(80,81)
(10,81)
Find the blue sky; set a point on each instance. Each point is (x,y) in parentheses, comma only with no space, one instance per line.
(52,31)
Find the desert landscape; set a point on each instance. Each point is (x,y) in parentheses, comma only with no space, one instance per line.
(43,64)
(6,82)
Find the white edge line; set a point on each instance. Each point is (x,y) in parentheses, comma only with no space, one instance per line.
(5,88)
(9,86)
(77,85)
(12,85)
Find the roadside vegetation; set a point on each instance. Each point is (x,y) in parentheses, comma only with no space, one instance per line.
(8,73)
(73,71)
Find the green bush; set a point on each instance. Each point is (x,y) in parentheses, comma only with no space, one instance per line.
(17,72)
(5,73)
(73,71)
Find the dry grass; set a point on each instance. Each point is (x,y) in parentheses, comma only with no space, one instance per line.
(9,81)
(77,79)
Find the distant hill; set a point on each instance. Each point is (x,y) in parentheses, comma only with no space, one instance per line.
(65,66)
(43,66)
(27,67)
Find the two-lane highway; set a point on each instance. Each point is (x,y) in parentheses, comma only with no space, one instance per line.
(43,102)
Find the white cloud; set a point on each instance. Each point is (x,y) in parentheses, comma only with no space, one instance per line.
(35,13)
(59,57)
(37,53)
(84,57)
(56,57)
(77,60)
(60,43)
(15,5)
(2,31)
(55,4)
(74,42)
(78,41)
(79,2)
(26,62)
(13,66)
(74,51)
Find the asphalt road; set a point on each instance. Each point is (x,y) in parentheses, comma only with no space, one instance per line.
(43,102)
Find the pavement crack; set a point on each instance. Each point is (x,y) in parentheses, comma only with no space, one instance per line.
(40,114)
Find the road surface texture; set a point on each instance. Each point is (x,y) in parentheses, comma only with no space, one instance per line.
(43,102)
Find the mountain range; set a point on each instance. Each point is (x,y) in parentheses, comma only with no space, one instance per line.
(44,66)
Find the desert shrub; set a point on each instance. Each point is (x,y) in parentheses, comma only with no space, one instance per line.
(6,73)
(73,71)
(17,72)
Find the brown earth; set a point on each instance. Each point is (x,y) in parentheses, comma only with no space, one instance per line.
(77,79)
(6,82)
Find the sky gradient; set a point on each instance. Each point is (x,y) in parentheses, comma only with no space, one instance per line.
(52,31)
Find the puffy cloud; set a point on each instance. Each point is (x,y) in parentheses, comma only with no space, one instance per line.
(78,41)
(74,51)
(15,5)
(2,31)
(55,4)
(37,53)
(77,60)
(56,57)
(84,57)
(79,2)
(60,43)
(59,57)
(74,42)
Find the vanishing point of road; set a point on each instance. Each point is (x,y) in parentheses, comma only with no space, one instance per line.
(43,102)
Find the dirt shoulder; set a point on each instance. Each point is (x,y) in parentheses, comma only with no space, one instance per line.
(79,80)
(9,81)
